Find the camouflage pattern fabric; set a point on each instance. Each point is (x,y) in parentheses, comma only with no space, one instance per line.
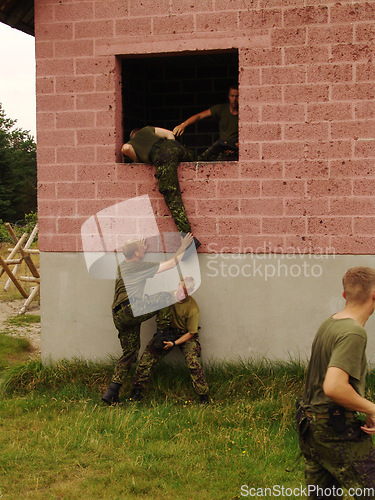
(166,157)
(191,350)
(129,328)
(216,153)
(337,460)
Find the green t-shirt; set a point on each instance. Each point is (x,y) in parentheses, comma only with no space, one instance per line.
(340,343)
(142,143)
(228,123)
(185,315)
(135,274)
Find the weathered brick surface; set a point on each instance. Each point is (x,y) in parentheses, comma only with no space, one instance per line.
(306,174)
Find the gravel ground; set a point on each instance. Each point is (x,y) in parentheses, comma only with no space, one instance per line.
(31,331)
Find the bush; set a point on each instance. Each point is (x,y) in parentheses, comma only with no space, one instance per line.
(24,226)
(4,235)
(31,220)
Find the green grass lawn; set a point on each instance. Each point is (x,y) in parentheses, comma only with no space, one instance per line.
(58,441)
(13,350)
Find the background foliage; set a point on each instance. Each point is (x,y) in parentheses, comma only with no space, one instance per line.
(18,171)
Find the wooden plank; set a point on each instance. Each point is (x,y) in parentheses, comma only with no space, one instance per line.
(31,297)
(30,279)
(13,261)
(31,237)
(25,256)
(29,250)
(12,277)
(15,250)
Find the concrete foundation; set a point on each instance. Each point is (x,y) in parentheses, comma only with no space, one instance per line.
(252,306)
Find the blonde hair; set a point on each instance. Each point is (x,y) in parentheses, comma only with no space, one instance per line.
(188,282)
(130,247)
(358,283)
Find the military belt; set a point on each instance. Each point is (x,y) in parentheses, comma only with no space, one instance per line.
(154,148)
(120,306)
(311,414)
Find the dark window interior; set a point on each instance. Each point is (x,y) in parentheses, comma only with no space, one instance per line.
(163,91)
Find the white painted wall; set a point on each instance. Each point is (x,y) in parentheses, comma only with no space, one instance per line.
(251,306)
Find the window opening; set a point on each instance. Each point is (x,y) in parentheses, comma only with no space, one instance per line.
(166,90)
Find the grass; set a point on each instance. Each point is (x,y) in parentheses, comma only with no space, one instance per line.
(13,350)
(59,441)
(23,320)
(13,324)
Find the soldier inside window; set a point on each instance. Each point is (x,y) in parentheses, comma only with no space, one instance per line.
(226,148)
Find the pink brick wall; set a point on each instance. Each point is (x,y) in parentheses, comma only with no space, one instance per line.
(306,174)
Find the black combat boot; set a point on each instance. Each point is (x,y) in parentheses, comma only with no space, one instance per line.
(197,243)
(112,394)
(136,394)
(204,399)
(187,253)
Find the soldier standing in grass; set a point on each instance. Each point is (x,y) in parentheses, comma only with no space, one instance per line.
(184,326)
(336,444)
(159,147)
(136,272)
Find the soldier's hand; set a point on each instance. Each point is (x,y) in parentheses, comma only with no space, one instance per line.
(168,344)
(368,430)
(369,426)
(186,241)
(178,130)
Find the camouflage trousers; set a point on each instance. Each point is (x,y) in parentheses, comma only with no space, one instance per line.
(217,153)
(166,156)
(129,329)
(191,350)
(336,460)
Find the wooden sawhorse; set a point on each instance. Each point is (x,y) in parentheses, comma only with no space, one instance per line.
(12,260)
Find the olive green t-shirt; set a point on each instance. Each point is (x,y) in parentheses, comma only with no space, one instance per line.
(135,275)
(228,123)
(340,343)
(185,315)
(142,143)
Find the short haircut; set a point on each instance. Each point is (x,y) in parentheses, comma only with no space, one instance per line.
(130,247)
(233,86)
(133,132)
(188,282)
(358,283)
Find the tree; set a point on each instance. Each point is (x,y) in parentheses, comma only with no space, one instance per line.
(18,173)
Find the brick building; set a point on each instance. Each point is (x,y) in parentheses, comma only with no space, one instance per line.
(279,227)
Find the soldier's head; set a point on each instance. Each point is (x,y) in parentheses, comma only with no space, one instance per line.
(134,249)
(185,287)
(133,132)
(233,97)
(359,285)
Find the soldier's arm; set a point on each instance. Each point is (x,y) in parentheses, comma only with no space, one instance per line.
(181,340)
(128,150)
(337,387)
(164,133)
(171,263)
(179,129)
